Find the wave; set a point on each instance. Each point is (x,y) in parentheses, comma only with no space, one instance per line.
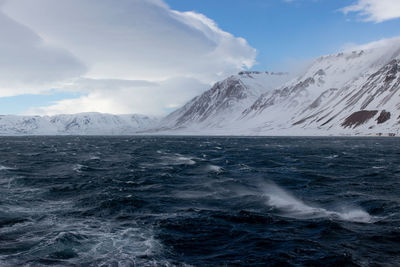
(292,207)
(178,159)
(332,156)
(4,168)
(78,168)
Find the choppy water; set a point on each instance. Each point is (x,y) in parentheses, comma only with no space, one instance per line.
(165,201)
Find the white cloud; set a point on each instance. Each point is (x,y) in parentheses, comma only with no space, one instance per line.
(380,52)
(375,10)
(388,43)
(126,40)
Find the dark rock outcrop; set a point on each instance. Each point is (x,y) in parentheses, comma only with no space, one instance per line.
(358,118)
(383,117)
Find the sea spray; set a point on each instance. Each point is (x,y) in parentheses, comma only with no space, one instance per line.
(291,206)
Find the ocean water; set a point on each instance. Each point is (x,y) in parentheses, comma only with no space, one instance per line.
(199,201)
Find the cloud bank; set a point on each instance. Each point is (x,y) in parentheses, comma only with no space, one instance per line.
(125,97)
(126,56)
(375,10)
(28,64)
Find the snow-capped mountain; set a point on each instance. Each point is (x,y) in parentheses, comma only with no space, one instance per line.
(348,93)
(224,102)
(75,124)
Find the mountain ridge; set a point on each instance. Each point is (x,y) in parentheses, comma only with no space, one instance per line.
(349,93)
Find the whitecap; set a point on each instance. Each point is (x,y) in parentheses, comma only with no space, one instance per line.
(332,156)
(214,168)
(378,167)
(185,160)
(244,167)
(94,158)
(4,168)
(77,167)
(178,159)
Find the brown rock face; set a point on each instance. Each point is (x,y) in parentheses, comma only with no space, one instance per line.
(358,118)
(383,117)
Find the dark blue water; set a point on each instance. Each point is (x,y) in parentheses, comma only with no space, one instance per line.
(165,201)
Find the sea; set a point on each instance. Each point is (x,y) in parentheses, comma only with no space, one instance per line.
(199,201)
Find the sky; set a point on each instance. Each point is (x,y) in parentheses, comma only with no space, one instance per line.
(152,56)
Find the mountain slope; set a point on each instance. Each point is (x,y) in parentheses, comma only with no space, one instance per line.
(333,89)
(76,124)
(344,94)
(371,106)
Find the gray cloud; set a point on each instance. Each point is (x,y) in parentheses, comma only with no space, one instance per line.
(28,64)
(135,39)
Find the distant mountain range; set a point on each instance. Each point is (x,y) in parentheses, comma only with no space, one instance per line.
(75,124)
(352,93)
